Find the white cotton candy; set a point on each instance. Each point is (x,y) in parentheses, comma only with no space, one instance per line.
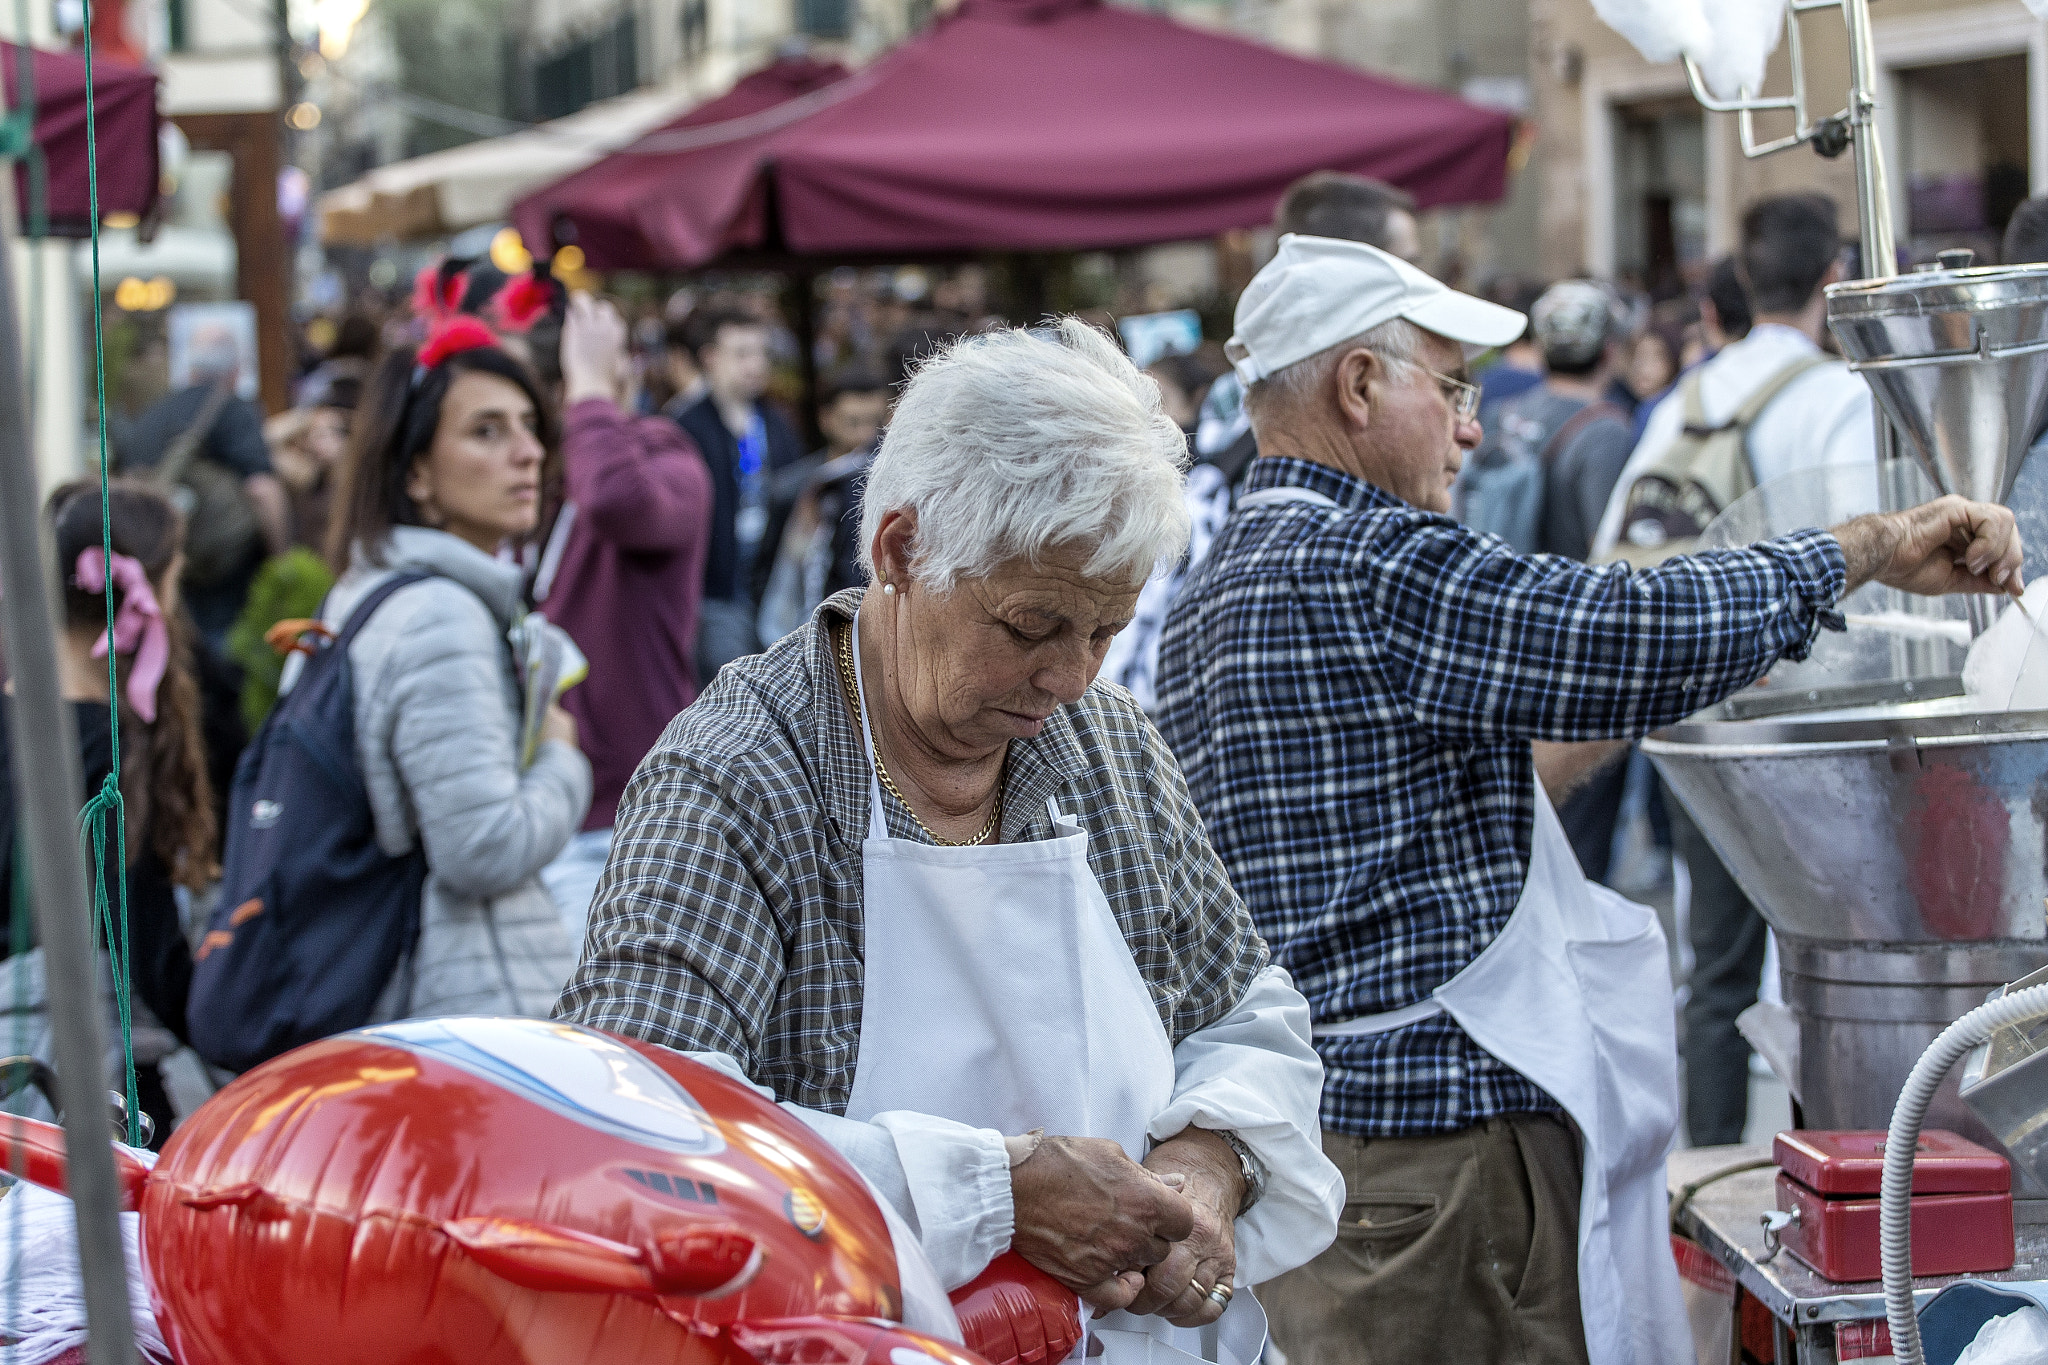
(1660,29)
(1746,32)
(2007,666)
(42,1293)
(1730,39)
(2016,1339)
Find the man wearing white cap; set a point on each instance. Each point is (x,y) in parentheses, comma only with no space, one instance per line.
(1353,683)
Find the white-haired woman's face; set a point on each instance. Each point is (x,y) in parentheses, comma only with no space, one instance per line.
(989,661)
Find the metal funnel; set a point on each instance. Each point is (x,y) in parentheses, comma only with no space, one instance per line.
(1894,839)
(1954,357)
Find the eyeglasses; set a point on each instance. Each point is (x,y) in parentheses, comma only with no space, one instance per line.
(1463,397)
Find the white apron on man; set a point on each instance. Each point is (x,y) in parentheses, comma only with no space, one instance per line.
(1573,993)
(998,991)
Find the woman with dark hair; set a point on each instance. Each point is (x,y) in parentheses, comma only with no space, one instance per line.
(451,450)
(172,839)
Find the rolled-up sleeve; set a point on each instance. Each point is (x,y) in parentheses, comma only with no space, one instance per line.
(1255,1073)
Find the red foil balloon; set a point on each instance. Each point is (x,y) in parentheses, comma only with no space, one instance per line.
(1016,1314)
(471,1191)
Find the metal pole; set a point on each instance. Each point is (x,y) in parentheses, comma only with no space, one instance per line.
(1873,192)
(48,787)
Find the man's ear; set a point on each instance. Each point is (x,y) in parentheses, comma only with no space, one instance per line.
(1356,374)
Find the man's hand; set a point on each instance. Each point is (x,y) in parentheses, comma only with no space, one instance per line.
(1178,1287)
(593,350)
(1087,1215)
(1949,545)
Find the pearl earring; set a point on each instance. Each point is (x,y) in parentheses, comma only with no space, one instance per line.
(888,588)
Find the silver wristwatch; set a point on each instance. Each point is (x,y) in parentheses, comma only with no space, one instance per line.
(1248,1165)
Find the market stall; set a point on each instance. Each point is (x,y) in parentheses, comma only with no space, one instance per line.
(1878,801)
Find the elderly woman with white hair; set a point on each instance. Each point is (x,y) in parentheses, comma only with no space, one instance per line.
(917,874)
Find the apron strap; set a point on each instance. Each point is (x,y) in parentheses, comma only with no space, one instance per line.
(1368,1024)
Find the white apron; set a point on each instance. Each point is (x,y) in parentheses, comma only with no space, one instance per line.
(998,991)
(1574,994)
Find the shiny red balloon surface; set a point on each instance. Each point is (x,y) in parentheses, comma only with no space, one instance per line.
(486,1190)
(480,1191)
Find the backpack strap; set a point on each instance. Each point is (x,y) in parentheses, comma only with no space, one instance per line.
(1696,423)
(1770,388)
(1692,406)
(1576,423)
(178,456)
(360,617)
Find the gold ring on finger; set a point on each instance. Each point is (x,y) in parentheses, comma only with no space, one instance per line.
(1196,1285)
(1220,1295)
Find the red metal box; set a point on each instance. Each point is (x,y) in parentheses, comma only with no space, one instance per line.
(1828,1181)
(1848,1162)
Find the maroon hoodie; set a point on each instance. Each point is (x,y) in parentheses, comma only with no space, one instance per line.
(627,585)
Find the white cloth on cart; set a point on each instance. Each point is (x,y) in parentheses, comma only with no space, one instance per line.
(42,1306)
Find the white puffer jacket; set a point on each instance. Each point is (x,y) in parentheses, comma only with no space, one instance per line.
(437,723)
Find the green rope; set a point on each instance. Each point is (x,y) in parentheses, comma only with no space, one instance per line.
(105,807)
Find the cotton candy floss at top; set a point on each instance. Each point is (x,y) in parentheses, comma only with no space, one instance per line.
(1730,39)
(2007,666)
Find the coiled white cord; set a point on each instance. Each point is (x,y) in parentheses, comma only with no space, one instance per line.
(1895,1210)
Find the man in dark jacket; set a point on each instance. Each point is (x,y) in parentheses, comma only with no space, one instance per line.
(744,441)
(622,573)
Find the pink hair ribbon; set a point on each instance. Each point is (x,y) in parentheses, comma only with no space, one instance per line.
(138,626)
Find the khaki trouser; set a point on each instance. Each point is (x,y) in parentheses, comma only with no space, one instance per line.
(1460,1248)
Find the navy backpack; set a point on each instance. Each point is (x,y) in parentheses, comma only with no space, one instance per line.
(313,916)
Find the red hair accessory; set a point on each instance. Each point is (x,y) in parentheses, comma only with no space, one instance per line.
(437,291)
(522,302)
(452,337)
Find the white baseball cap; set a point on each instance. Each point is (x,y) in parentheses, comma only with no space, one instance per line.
(1319,291)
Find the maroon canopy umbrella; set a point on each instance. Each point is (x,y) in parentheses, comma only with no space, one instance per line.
(125,129)
(1022,125)
(715,143)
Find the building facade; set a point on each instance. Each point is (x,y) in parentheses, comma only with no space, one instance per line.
(1477,49)
(1634,181)
(570,53)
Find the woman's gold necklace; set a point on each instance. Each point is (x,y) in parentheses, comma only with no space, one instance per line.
(849,681)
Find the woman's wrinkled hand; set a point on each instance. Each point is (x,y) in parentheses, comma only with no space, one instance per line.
(1178,1288)
(1089,1216)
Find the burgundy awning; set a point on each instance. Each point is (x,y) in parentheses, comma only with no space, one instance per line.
(125,128)
(1022,125)
(711,149)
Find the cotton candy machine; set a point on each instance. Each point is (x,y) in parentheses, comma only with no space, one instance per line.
(1893,831)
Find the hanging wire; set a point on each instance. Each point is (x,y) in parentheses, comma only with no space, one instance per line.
(105,808)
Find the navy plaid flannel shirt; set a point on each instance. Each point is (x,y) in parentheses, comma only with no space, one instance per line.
(1352,693)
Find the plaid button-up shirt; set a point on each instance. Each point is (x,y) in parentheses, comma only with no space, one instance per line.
(729,916)
(1351,693)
